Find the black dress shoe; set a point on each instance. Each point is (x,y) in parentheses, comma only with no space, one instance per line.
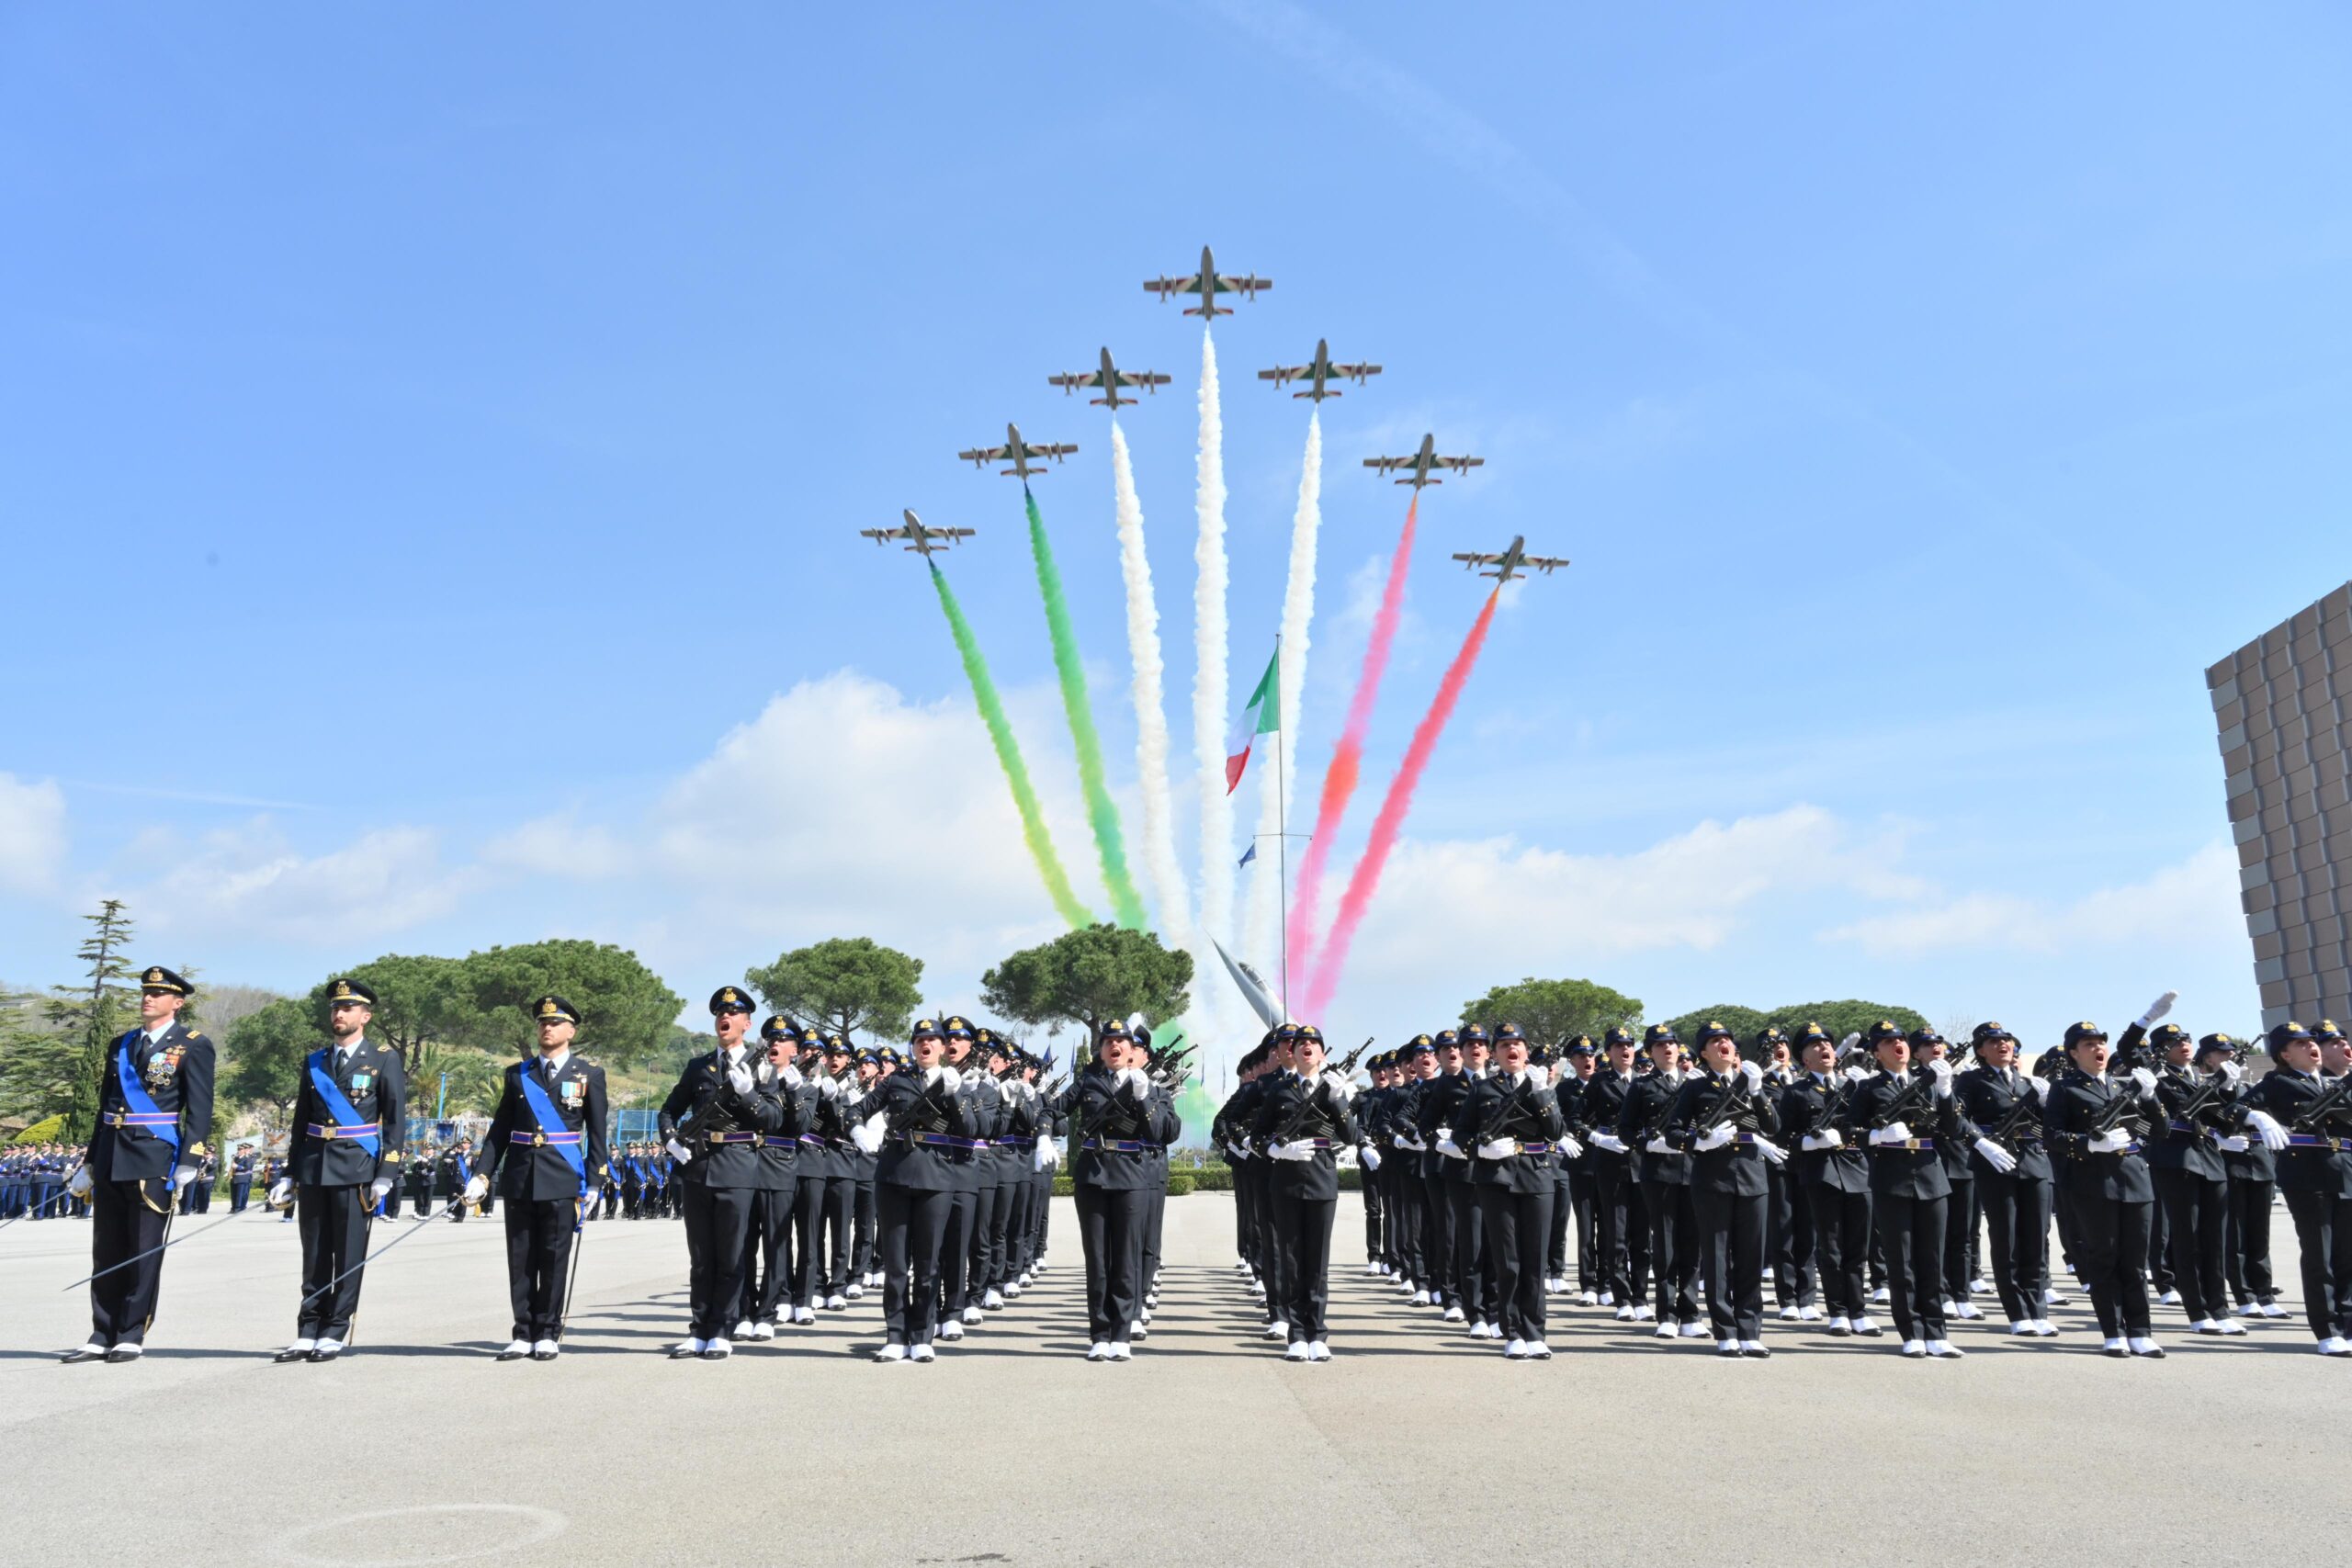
(283,1357)
(543,1354)
(1841,1330)
(511,1354)
(2117,1351)
(82,1353)
(323,1355)
(1758,1353)
(122,1353)
(1872,1332)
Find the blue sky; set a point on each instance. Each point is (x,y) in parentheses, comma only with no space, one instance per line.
(431,444)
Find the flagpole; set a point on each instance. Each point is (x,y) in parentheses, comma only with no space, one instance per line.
(1281,829)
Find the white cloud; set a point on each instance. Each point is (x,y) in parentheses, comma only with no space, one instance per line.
(559,846)
(33,834)
(2190,906)
(248,882)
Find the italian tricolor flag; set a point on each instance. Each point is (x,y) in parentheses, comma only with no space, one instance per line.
(1262,715)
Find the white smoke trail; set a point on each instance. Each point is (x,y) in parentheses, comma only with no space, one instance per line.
(1169,889)
(1209,685)
(1262,929)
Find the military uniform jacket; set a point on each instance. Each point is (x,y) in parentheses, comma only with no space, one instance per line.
(705,1102)
(1238,1114)
(1293,1108)
(786,1153)
(2175,1143)
(1810,1106)
(2076,1101)
(1987,1098)
(175,1068)
(1404,1128)
(1601,1106)
(538,1173)
(375,1080)
(1441,1101)
(1119,1112)
(1503,1107)
(908,1107)
(991,1119)
(1959,1154)
(1895,1171)
(1648,1105)
(2306,1167)
(1736,1169)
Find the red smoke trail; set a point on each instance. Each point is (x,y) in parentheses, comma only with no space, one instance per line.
(1384,827)
(1347,757)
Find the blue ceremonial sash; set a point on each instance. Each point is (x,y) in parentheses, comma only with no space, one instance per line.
(535,1094)
(135,1095)
(339,1104)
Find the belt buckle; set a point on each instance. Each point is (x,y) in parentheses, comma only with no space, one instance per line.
(1911,1145)
(538,1140)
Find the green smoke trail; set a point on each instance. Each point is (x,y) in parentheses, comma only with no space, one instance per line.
(1008,753)
(1110,844)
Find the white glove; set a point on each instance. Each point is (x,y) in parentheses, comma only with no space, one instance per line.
(279,1190)
(1753,1073)
(1046,1157)
(2158,1008)
(868,1135)
(1828,1138)
(790,1076)
(740,1077)
(2108,1141)
(1858,1074)
(1570,1148)
(1892,1133)
(182,1177)
(2145,1079)
(82,1182)
(1298,1153)
(476,1186)
(2233,1144)
(2274,1136)
(1770,1150)
(939,1077)
(2040,1088)
(1722,1134)
(2231,1072)
(828,1089)
(1850,1041)
(679,1151)
(1609,1141)
(1370,1156)
(1446,1145)
(1658,1146)
(1341,1091)
(377,1188)
(1940,1070)
(1499,1149)
(1996,1156)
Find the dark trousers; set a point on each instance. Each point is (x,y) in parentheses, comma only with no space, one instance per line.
(861,1247)
(1911,1232)
(955,1257)
(1841,1248)
(2016,1220)
(1731,1227)
(1674,1260)
(1110,1229)
(819,1268)
(2160,1250)
(1018,1223)
(1437,1230)
(1614,1217)
(1469,1263)
(2247,1257)
(914,1227)
(718,1223)
(2323,1237)
(767,1252)
(241,1192)
(1375,1218)
(390,1208)
(836,1219)
(1406,1219)
(334,1225)
(1249,1194)
(1303,1231)
(1960,1213)
(540,1236)
(2197,1216)
(1154,1216)
(992,1208)
(1518,1227)
(1584,1197)
(122,1225)
(2112,1241)
(1788,1238)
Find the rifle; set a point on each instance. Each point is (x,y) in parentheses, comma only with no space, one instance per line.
(2006,1129)
(2111,1115)
(2205,1093)
(2315,1114)
(1899,1109)
(1733,1104)
(1347,1063)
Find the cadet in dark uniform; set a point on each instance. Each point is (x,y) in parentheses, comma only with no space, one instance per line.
(1302,1119)
(866,1263)
(1230,1129)
(1788,1229)
(154,1115)
(1722,1118)
(915,1120)
(1405,1157)
(2253,1175)
(1123,1132)
(1620,1224)
(2003,1107)
(1577,1203)
(1462,1273)
(713,1124)
(1927,1048)
(975,1198)
(835,1086)
(769,1270)
(1816,1115)
(1512,1125)
(2106,1182)
(349,1120)
(2184,1155)
(2305,1117)
(1906,1113)
(544,1154)
(1665,1175)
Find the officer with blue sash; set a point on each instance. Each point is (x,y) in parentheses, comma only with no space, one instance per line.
(544,1154)
(349,1120)
(154,1113)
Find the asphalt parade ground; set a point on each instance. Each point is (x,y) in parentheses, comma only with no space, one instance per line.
(1416,1445)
